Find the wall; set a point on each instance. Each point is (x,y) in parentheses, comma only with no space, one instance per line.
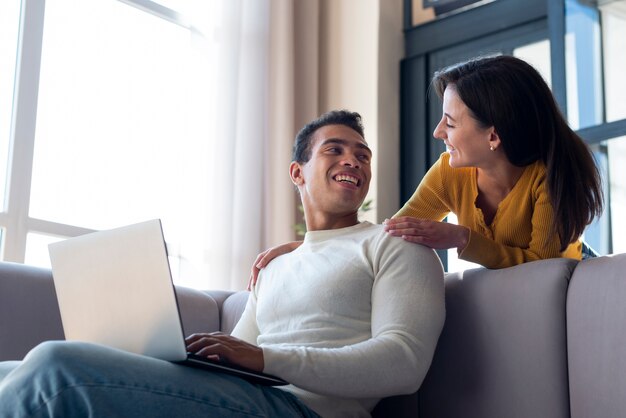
(361,44)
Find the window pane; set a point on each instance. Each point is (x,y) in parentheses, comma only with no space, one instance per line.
(187,7)
(617,187)
(537,54)
(606,234)
(9,26)
(614,44)
(37,252)
(585,98)
(454,262)
(200,14)
(594,43)
(37,249)
(123,119)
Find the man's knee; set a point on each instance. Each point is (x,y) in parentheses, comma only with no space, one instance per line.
(47,371)
(55,352)
(58,359)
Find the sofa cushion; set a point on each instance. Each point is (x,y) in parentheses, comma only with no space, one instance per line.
(232,308)
(596,336)
(199,312)
(502,352)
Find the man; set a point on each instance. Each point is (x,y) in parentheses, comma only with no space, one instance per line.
(351,316)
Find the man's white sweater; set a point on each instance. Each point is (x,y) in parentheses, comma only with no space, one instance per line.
(353,315)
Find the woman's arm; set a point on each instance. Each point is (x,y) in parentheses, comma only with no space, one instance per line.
(433,234)
(431,199)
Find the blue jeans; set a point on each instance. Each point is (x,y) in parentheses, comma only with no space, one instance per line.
(73,379)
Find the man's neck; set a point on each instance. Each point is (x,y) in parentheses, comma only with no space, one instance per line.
(319,222)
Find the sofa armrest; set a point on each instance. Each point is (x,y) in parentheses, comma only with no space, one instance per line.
(231,306)
(29,313)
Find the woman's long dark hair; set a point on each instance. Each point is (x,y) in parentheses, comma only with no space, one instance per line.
(510,95)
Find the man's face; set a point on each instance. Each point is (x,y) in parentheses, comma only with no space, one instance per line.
(336,178)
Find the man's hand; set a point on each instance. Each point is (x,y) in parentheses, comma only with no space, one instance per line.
(433,234)
(220,346)
(268,255)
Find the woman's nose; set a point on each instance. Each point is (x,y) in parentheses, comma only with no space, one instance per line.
(439,133)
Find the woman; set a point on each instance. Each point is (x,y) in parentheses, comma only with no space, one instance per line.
(522,183)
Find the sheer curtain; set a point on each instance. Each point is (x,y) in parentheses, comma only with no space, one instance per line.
(266,88)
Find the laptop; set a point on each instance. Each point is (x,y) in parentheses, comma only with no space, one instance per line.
(115,288)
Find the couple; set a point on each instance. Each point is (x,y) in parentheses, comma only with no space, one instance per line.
(352,316)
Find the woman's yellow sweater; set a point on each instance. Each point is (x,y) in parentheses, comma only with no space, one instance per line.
(520,230)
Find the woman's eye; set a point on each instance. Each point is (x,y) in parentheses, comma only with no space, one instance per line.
(449,126)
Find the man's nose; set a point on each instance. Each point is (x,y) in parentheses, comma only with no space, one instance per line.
(351,161)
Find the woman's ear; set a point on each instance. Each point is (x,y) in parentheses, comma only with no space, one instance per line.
(494,140)
(295,172)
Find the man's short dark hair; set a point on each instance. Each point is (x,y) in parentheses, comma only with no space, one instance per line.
(302,146)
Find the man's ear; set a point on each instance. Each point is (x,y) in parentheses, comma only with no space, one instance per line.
(295,172)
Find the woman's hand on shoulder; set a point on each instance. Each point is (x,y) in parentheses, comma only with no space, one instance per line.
(433,234)
(268,255)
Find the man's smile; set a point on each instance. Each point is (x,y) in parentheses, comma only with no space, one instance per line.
(347,178)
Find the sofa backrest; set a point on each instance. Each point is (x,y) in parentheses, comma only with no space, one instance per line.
(502,352)
(596,338)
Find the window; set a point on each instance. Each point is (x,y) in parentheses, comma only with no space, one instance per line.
(617,186)
(9,26)
(122,120)
(594,43)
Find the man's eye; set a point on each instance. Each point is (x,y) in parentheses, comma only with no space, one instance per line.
(334,150)
(364,157)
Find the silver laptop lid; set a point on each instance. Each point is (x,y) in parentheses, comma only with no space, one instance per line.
(115,288)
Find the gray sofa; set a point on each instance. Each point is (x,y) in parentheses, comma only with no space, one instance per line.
(544,339)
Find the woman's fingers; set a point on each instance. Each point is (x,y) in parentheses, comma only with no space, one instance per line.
(264,258)
(260,262)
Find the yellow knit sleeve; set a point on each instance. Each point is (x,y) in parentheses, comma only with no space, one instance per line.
(429,201)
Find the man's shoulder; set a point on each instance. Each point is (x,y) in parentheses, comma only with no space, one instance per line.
(403,260)
(383,242)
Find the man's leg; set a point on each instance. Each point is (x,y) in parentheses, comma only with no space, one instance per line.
(70,379)
(7,367)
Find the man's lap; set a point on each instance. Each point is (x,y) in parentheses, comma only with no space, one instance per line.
(60,376)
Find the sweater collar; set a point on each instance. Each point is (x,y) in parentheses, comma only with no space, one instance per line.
(322,235)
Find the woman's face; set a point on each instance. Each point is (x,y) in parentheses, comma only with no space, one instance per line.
(467,142)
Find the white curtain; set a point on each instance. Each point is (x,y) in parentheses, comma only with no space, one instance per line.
(266,89)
